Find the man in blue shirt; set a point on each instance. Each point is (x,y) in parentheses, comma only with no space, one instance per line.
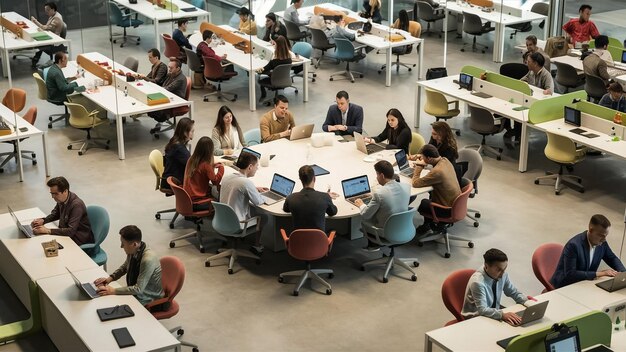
(485,287)
(582,255)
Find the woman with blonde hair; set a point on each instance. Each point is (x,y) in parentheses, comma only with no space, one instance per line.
(372,10)
(203,175)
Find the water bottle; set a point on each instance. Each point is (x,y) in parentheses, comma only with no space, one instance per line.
(125,91)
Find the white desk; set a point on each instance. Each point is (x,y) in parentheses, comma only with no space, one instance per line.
(71,321)
(16,122)
(252,62)
(500,19)
(114,101)
(9,41)
(577,63)
(157,14)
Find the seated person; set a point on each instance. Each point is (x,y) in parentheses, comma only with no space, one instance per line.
(282,56)
(581,29)
(344,118)
(614,99)
(277,123)
(175,82)
(70,211)
(227,136)
(203,175)
(309,207)
(397,133)
(391,198)
(176,152)
(291,13)
(372,10)
(246,23)
(531,47)
(204,50)
(181,39)
(158,72)
(443,139)
(594,64)
(442,178)
(486,286)
(413,27)
(342,32)
(582,255)
(142,269)
(273,28)
(54,24)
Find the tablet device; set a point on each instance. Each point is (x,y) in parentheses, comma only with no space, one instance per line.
(319,171)
(572,116)
(123,338)
(117,312)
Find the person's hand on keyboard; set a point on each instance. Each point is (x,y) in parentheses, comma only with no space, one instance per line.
(358,203)
(511,318)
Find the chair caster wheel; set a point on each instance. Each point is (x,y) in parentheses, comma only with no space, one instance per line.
(536,182)
(157,216)
(476,224)
(416,264)
(420,244)
(107,148)
(331,275)
(33,155)
(34,162)
(207,264)
(156,136)
(331,78)
(498,158)
(171,226)
(1,171)
(458,133)
(329,291)
(296,91)
(205,100)
(379,72)
(413,278)
(230,271)
(80,153)
(49,125)
(69,147)
(202,250)
(296,293)
(470,244)
(462,50)
(313,80)
(361,76)
(172,244)
(385,280)
(557,193)
(180,332)
(195,350)
(447,255)
(477,215)
(315,75)
(281,279)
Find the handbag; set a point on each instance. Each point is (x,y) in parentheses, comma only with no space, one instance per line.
(436,72)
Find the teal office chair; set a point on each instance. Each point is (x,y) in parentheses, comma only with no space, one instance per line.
(198,3)
(397,231)
(99,220)
(345,51)
(19,329)
(117,17)
(226,223)
(252,137)
(305,50)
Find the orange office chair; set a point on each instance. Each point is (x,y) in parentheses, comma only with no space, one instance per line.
(544,261)
(308,245)
(213,71)
(184,207)
(453,293)
(458,211)
(15,99)
(30,117)
(172,279)
(174,113)
(172,49)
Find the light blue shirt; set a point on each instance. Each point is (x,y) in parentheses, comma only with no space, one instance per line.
(238,191)
(479,295)
(392,198)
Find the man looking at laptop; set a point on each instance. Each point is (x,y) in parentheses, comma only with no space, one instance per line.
(581,255)
(485,287)
(142,268)
(277,123)
(70,211)
(391,198)
(344,118)
(309,207)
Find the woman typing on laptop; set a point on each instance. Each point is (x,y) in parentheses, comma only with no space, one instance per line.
(397,133)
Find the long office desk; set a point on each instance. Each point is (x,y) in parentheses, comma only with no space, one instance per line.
(114,101)
(577,63)
(16,122)
(157,14)
(252,62)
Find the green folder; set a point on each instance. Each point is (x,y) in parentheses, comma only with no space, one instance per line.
(39,36)
(157,98)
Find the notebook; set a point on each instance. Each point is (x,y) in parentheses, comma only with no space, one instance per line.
(87,288)
(300,132)
(614,284)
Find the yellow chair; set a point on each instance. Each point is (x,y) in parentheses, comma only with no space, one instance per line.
(437,106)
(156,163)
(81,119)
(564,152)
(42,93)
(417,142)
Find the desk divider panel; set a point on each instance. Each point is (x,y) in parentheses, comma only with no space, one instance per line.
(13,27)
(601,125)
(498,79)
(232,38)
(616,52)
(549,109)
(95,69)
(501,92)
(318,10)
(598,111)
(594,327)
(165,4)
(473,71)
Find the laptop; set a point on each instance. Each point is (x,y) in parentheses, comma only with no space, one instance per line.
(247,150)
(357,188)
(614,284)
(533,313)
(563,342)
(281,187)
(465,81)
(26,230)
(88,287)
(572,117)
(300,132)
(365,148)
(403,164)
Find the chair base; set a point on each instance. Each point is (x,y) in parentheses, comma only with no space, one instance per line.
(26,154)
(475,46)
(390,261)
(397,63)
(178,333)
(484,148)
(475,217)
(157,215)
(220,94)
(195,234)
(308,273)
(89,143)
(347,73)
(233,253)
(126,38)
(317,61)
(571,181)
(57,117)
(443,234)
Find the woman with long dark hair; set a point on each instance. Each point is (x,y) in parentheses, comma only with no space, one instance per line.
(176,152)
(443,138)
(227,136)
(202,174)
(282,56)
(397,133)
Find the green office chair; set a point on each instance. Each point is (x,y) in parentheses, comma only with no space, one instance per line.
(345,51)
(20,329)
(117,17)
(438,106)
(99,220)
(564,152)
(81,119)
(417,142)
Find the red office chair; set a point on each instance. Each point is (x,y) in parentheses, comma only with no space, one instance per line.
(458,211)
(214,71)
(308,245)
(172,279)
(453,293)
(174,113)
(184,207)
(30,117)
(545,260)
(172,49)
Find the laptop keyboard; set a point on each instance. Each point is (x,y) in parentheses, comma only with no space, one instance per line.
(365,199)
(272,196)
(407,172)
(373,148)
(90,288)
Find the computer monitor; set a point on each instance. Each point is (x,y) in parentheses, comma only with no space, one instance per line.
(624,56)
(572,116)
(566,342)
(465,81)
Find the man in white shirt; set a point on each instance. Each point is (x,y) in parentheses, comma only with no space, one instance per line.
(291,13)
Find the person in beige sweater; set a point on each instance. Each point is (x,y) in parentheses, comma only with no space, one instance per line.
(442,178)
(278,122)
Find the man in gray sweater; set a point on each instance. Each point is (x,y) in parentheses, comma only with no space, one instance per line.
(175,82)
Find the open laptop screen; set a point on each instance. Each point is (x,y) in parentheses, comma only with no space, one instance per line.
(248,150)
(401,159)
(282,185)
(355,186)
(568,342)
(572,116)
(624,57)
(465,81)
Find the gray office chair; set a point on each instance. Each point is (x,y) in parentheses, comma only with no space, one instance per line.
(515,70)
(568,77)
(472,164)
(345,52)
(484,123)
(194,63)
(473,25)
(131,63)
(595,88)
(280,79)
(293,32)
(542,8)
(425,12)
(319,41)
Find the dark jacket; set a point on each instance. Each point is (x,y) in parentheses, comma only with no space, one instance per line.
(354,120)
(180,39)
(608,102)
(157,74)
(273,63)
(57,85)
(376,16)
(574,263)
(73,220)
(174,161)
(399,140)
(274,32)
(308,208)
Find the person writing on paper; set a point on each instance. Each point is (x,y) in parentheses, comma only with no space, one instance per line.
(175,82)
(277,123)
(291,13)
(343,118)
(581,29)
(158,72)
(204,48)
(614,99)
(176,152)
(397,133)
(594,64)
(53,24)
(227,136)
(273,28)
(486,286)
(309,207)
(582,254)
(142,268)
(246,24)
(282,56)
(69,210)
(391,198)
(203,175)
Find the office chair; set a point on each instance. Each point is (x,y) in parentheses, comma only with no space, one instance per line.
(184,207)
(23,328)
(15,99)
(319,41)
(568,77)
(131,63)
(544,262)
(417,142)
(458,211)
(214,71)
(438,106)
(84,120)
(305,50)
(483,122)
(425,12)
(174,113)
(172,279)
(473,25)
(515,70)
(453,293)
(345,51)
(42,93)
(404,50)
(542,8)
(117,17)
(156,163)
(308,245)
(30,117)
(99,221)
(397,231)
(473,165)
(48,49)
(195,65)
(172,49)
(595,88)
(280,78)
(564,152)
(226,223)
(293,32)
(252,137)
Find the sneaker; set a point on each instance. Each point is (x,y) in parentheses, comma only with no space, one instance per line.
(257,250)
(156,128)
